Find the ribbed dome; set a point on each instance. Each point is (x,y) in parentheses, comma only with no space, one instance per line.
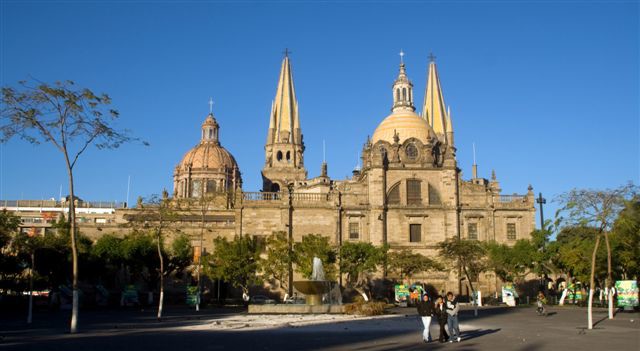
(208,155)
(407,124)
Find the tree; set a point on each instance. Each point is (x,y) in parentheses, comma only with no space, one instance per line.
(469,254)
(358,260)
(235,262)
(572,250)
(10,267)
(181,255)
(314,245)
(9,224)
(158,216)
(28,244)
(69,118)
(407,263)
(626,239)
(598,209)
(275,265)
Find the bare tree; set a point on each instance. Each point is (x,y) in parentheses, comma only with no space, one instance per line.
(597,209)
(69,118)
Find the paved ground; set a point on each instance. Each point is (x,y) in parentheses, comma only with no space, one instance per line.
(494,329)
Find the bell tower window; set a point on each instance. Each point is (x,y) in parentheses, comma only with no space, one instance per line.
(279,156)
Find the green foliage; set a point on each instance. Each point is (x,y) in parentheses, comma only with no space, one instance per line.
(9,224)
(181,252)
(108,248)
(572,251)
(626,239)
(358,259)
(469,254)
(407,263)
(514,262)
(311,246)
(275,265)
(235,261)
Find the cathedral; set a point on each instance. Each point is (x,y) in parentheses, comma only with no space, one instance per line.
(408,194)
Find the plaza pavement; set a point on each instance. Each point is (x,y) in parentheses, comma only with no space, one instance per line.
(495,328)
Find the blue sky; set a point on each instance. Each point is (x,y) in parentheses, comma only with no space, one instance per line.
(548,91)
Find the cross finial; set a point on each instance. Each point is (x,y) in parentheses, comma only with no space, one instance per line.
(401,56)
(210,105)
(286,52)
(432,58)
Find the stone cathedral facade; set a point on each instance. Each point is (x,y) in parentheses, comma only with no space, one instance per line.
(408,193)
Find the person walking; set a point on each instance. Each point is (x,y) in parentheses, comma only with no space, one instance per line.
(452,318)
(441,314)
(426,311)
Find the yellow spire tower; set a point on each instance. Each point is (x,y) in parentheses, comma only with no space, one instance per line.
(433,108)
(284,162)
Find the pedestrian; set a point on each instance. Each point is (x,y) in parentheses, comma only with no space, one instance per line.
(441,314)
(452,318)
(541,301)
(426,311)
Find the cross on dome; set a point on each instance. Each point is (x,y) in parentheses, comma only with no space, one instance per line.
(401,56)
(210,105)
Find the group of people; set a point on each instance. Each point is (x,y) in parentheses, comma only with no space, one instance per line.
(446,312)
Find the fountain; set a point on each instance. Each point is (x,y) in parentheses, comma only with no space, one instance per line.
(313,290)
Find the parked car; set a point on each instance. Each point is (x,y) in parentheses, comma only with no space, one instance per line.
(261,300)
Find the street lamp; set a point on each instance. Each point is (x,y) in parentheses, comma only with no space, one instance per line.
(540,200)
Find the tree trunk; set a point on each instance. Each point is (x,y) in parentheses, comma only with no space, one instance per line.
(161,299)
(74,248)
(592,283)
(30,312)
(473,291)
(609,275)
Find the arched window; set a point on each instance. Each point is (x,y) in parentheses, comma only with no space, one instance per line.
(398,94)
(275,187)
(414,196)
(404,94)
(279,156)
(393,198)
(210,133)
(196,188)
(288,156)
(211,186)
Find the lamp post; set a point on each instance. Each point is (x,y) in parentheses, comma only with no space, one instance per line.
(540,200)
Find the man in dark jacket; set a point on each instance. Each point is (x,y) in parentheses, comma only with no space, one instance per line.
(426,311)
(441,314)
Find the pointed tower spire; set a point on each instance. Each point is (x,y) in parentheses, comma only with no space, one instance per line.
(433,109)
(284,162)
(284,125)
(402,90)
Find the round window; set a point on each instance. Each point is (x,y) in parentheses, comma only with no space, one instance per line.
(412,151)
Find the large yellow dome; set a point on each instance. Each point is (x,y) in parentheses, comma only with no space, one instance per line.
(407,124)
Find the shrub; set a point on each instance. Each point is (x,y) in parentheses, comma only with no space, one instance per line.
(370,308)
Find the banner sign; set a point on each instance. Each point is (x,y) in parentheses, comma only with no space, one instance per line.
(627,293)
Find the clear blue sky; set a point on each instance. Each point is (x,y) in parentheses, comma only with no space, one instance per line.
(547,90)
